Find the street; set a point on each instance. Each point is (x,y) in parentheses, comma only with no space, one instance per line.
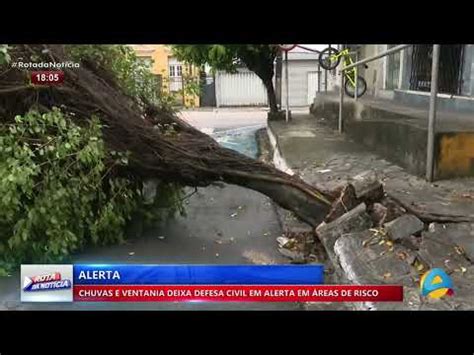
(229,225)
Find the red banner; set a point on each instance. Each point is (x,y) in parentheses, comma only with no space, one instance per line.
(238,293)
(47,77)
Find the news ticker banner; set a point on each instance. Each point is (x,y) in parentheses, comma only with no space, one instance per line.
(192,283)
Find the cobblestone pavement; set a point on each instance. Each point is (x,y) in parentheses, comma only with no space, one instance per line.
(329,160)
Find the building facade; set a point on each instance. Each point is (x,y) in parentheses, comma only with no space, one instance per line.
(176,78)
(405,76)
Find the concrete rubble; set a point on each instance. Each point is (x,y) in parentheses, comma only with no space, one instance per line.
(380,228)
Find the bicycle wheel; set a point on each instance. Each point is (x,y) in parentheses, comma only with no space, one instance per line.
(325,58)
(361,87)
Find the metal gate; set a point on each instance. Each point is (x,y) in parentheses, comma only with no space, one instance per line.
(450,68)
(207,96)
(240,89)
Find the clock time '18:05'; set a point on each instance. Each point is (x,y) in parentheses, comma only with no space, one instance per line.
(47,77)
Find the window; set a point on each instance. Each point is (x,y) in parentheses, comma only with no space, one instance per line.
(393,69)
(176,70)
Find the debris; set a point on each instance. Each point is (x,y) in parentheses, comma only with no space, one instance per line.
(367,186)
(282,241)
(432,227)
(233,215)
(411,242)
(454,243)
(403,227)
(387,275)
(356,220)
(345,202)
(132,253)
(224,241)
(256,257)
(161,237)
(295,256)
(378,212)
(323,171)
(217,255)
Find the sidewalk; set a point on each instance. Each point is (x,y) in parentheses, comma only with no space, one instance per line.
(326,159)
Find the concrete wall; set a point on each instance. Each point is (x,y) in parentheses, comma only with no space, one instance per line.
(395,137)
(298,74)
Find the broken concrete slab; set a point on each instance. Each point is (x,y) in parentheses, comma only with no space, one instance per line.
(377,263)
(411,242)
(437,250)
(355,220)
(367,186)
(378,213)
(461,234)
(463,282)
(403,227)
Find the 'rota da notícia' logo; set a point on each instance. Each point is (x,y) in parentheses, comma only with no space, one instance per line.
(48,282)
(436,283)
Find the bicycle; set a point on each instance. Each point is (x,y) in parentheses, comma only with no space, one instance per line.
(330,58)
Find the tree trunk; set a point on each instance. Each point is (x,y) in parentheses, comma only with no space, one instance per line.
(185,155)
(272,101)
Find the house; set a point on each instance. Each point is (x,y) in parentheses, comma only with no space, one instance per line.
(176,78)
(392,117)
(405,77)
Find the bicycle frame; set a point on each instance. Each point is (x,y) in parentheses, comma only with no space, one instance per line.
(349,74)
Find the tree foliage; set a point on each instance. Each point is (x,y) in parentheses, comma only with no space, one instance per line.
(258,58)
(59,190)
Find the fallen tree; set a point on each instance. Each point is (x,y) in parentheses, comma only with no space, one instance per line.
(161,145)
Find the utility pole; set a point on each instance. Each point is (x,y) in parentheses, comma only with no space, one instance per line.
(432,114)
(278,78)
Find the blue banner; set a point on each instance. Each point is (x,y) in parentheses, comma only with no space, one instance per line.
(134,274)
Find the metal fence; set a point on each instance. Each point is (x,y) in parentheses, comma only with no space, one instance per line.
(240,89)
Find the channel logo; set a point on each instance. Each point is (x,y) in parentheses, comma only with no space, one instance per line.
(436,283)
(46,283)
(52,281)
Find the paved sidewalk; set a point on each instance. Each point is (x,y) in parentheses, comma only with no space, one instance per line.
(326,159)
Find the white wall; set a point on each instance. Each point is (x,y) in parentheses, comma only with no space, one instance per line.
(298,76)
(240,89)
